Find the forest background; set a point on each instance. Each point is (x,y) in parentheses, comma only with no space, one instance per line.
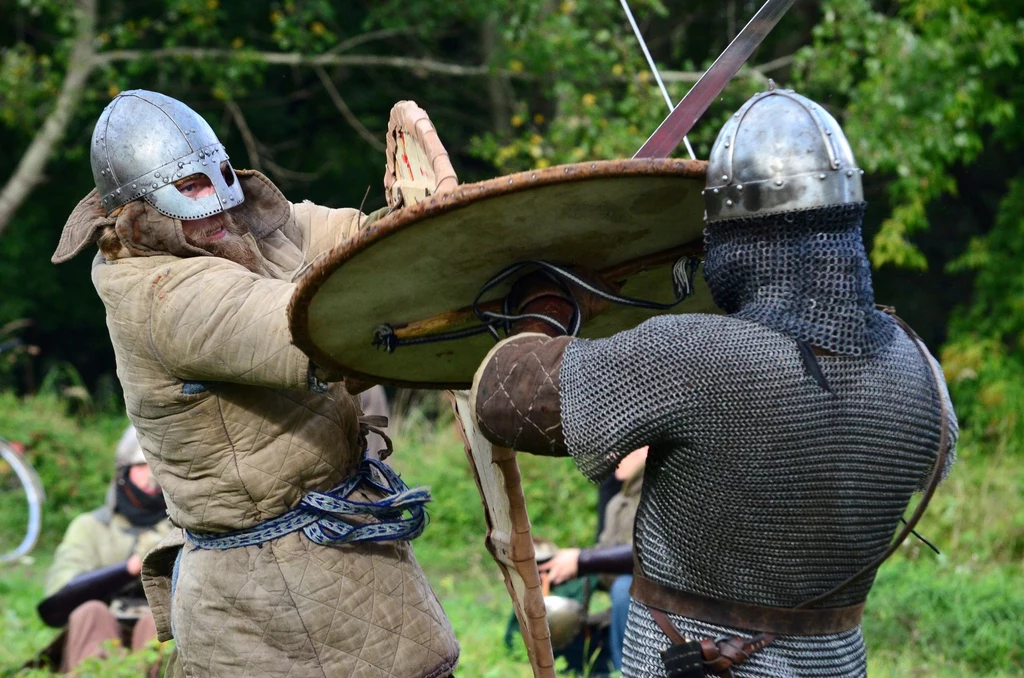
(928,91)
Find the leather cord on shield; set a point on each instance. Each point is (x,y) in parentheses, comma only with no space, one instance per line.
(683,272)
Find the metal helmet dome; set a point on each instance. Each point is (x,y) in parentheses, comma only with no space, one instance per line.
(780,152)
(144,142)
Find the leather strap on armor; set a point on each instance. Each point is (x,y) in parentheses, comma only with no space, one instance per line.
(717,656)
(933,480)
(775,620)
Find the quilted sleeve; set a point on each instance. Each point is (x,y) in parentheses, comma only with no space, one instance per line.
(213,320)
(326,228)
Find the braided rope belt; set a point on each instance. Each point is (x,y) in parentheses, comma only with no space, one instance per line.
(321,515)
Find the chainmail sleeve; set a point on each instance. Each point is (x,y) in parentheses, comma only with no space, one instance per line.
(627,391)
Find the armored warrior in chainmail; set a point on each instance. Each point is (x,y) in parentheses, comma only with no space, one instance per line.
(786,436)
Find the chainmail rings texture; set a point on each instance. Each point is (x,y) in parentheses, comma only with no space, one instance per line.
(803,273)
(760,487)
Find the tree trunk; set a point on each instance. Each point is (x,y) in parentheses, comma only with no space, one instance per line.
(29,172)
(497,81)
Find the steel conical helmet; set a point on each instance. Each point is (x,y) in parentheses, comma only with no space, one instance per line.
(144,142)
(779,153)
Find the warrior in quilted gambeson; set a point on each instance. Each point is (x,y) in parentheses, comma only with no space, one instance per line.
(294,556)
(786,436)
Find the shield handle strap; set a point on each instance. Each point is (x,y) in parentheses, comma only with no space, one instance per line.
(508,533)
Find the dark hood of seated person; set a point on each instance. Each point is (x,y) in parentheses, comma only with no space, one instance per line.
(139,505)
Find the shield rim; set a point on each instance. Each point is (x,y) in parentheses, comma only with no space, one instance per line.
(442,203)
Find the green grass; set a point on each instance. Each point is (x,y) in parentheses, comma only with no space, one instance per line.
(958,614)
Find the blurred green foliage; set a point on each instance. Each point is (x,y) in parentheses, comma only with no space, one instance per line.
(961,613)
(73,456)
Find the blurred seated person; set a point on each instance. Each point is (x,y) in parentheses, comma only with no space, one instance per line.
(612,557)
(94,588)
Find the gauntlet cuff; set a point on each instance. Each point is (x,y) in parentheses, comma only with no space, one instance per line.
(616,559)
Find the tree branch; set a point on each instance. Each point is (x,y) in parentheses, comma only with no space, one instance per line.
(775,64)
(758,72)
(293,175)
(247,137)
(29,172)
(364,38)
(496,83)
(418,66)
(345,111)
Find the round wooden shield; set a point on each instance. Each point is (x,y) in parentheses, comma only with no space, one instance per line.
(419,268)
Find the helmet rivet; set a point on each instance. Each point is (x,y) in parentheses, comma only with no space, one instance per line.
(822,176)
(204,163)
(193,130)
(726,144)
(135,186)
(862,171)
(715,191)
(739,187)
(725,177)
(179,175)
(155,184)
(728,203)
(849,173)
(778,182)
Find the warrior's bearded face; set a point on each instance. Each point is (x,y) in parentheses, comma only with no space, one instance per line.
(222,234)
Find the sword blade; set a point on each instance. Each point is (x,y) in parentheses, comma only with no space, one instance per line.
(682,119)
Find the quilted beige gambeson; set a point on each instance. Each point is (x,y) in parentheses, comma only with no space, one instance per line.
(243,443)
